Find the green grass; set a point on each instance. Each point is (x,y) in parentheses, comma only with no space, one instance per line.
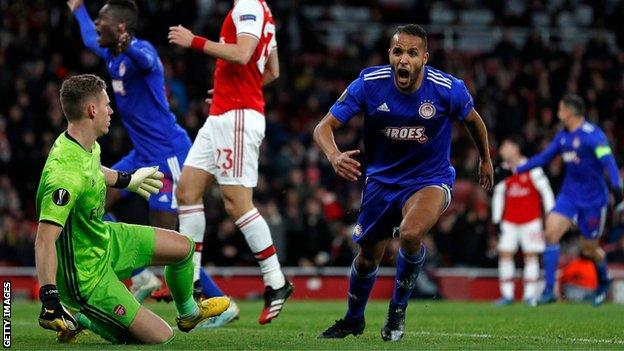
(430,325)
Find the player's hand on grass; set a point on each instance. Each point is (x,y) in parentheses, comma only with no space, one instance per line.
(486,174)
(180,36)
(74,4)
(54,315)
(345,165)
(209,98)
(146,181)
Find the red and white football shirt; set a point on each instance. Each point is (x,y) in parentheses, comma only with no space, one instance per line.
(519,198)
(240,86)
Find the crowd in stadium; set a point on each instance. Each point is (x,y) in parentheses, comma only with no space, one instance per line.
(310,211)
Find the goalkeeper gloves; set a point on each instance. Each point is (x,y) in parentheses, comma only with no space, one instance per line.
(144,181)
(54,315)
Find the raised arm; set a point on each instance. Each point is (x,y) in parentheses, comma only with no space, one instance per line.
(541,159)
(477,130)
(342,162)
(143,57)
(239,53)
(87,27)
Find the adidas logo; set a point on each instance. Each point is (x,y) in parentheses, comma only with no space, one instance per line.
(163,198)
(383,108)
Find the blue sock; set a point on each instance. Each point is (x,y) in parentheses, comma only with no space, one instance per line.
(407,270)
(137,271)
(360,286)
(209,287)
(601,269)
(551,262)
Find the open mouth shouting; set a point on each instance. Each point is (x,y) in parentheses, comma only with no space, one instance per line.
(402,77)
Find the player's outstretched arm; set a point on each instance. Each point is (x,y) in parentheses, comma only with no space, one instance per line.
(239,53)
(475,126)
(53,314)
(87,27)
(144,181)
(343,162)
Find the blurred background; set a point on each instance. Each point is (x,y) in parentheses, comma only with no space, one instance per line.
(516,57)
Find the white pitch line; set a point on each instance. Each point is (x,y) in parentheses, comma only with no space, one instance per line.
(539,338)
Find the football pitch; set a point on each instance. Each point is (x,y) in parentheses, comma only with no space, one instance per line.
(430,325)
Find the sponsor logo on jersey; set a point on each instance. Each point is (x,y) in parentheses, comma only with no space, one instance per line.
(406,133)
(163,198)
(383,108)
(247,17)
(60,197)
(427,110)
(570,156)
(119,310)
(517,190)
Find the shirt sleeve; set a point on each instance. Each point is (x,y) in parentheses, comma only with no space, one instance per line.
(461,100)
(59,197)
(498,202)
(541,183)
(600,146)
(350,103)
(541,159)
(248,17)
(87,31)
(143,56)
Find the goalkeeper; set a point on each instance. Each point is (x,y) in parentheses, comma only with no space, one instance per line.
(81,260)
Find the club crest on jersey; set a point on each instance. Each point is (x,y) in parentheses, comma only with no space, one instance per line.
(119,310)
(427,110)
(357,231)
(60,197)
(122,69)
(405,133)
(576,142)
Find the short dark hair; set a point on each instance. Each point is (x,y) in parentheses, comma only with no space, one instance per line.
(127,12)
(412,29)
(575,103)
(515,139)
(75,90)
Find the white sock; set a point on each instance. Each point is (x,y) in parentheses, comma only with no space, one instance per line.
(193,225)
(506,269)
(531,275)
(258,237)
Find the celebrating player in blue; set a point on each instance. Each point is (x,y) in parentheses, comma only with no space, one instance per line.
(408,109)
(137,78)
(584,194)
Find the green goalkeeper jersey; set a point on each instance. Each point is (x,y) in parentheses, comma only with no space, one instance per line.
(72,194)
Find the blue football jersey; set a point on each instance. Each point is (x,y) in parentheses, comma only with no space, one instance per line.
(407,137)
(587,155)
(137,79)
